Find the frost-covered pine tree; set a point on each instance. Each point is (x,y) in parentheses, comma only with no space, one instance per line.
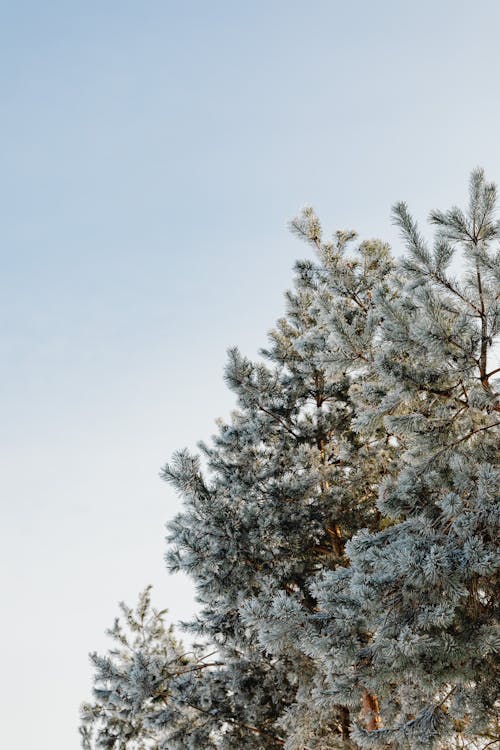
(342,535)
(288,485)
(143,687)
(426,587)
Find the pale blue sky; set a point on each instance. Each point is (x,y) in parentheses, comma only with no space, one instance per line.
(152,153)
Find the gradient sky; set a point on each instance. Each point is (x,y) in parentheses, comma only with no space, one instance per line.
(152,154)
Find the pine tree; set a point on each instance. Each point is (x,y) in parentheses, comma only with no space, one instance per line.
(342,536)
(143,687)
(289,485)
(426,587)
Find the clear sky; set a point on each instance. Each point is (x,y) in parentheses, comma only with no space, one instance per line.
(152,154)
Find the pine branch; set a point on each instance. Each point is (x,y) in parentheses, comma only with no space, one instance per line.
(458,442)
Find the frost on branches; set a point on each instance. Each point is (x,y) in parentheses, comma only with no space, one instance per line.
(343,537)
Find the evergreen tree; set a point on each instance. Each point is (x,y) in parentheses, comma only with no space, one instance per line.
(289,485)
(342,539)
(143,687)
(426,587)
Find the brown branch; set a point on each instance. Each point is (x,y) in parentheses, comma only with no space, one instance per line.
(371,709)
(356,299)
(484,332)
(197,667)
(444,282)
(336,539)
(278,419)
(448,695)
(344,723)
(463,439)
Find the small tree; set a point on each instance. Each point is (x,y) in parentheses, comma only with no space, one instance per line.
(143,687)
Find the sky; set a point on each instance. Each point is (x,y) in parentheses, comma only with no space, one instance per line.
(153,153)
